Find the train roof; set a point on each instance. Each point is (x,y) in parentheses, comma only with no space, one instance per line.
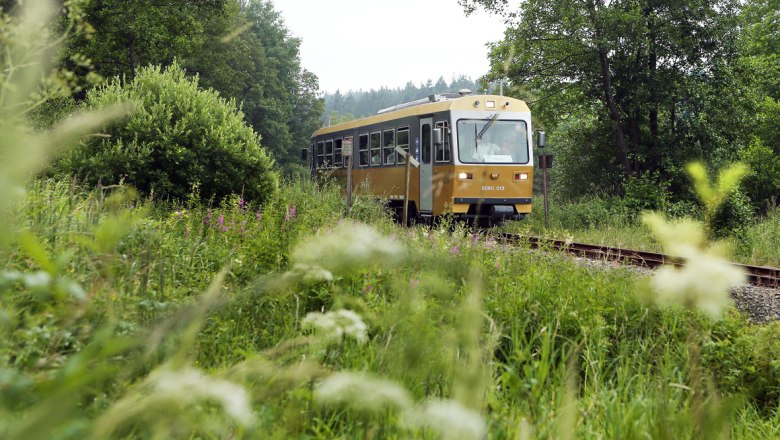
(433,104)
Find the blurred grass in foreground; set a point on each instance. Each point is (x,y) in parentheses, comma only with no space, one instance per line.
(128,318)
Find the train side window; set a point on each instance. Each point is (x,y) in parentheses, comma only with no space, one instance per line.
(403,141)
(329,153)
(363,149)
(426,143)
(376,152)
(388,145)
(320,153)
(338,159)
(443,150)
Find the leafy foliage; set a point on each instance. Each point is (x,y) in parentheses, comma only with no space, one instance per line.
(178,138)
(240,48)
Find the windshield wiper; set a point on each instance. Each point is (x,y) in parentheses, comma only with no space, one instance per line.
(485,128)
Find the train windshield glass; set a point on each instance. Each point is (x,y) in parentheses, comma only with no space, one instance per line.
(500,141)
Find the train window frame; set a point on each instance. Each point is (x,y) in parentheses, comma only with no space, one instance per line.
(527,150)
(375,151)
(404,147)
(388,150)
(338,157)
(446,146)
(426,143)
(320,154)
(329,152)
(363,151)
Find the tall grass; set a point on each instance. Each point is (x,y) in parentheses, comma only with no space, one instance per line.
(129,318)
(606,222)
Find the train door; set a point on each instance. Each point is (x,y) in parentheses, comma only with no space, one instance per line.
(426,165)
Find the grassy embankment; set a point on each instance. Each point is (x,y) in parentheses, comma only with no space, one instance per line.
(136,319)
(599,221)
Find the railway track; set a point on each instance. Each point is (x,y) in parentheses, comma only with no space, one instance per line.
(757,275)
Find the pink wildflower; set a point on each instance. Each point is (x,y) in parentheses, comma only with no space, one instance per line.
(292,213)
(455,250)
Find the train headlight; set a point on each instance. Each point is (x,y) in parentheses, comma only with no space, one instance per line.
(490,104)
(521,176)
(465,176)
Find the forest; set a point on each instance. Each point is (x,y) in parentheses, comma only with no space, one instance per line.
(169,270)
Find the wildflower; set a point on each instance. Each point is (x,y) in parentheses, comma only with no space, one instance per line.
(220,221)
(335,326)
(308,273)
(190,385)
(449,419)
(292,213)
(455,250)
(346,248)
(259,215)
(241,204)
(361,392)
(706,279)
(207,218)
(368,288)
(490,242)
(703,283)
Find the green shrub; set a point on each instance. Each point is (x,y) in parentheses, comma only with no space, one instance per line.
(733,216)
(645,192)
(763,181)
(179,137)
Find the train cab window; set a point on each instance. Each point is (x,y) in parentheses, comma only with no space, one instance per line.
(388,146)
(443,150)
(403,141)
(376,152)
(329,153)
(320,154)
(363,149)
(338,158)
(426,143)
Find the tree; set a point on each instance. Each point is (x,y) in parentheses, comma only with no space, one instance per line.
(654,67)
(239,47)
(178,138)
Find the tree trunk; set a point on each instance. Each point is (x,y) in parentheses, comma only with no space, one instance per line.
(614,115)
(131,47)
(654,154)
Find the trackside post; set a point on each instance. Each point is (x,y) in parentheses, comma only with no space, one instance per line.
(407,172)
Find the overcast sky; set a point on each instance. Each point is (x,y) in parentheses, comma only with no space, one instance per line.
(368,44)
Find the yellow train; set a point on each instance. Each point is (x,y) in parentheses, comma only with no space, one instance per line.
(475,156)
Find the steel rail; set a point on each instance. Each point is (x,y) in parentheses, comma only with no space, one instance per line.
(757,275)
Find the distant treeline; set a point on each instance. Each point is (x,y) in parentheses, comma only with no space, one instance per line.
(353,104)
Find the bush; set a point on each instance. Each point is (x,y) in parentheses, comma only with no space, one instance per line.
(733,217)
(178,137)
(645,192)
(763,182)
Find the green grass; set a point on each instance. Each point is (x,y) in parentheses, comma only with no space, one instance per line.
(536,345)
(604,222)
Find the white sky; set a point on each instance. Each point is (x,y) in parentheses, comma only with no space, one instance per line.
(367,44)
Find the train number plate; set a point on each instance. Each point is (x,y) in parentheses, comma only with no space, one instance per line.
(493,188)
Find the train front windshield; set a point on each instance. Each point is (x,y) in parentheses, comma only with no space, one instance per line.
(492,141)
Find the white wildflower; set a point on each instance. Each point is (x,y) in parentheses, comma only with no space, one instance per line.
(684,238)
(706,279)
(449,419)
(703,283)
(361,392)
(335,326)
(347,247)
(189,385)
(308,273)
